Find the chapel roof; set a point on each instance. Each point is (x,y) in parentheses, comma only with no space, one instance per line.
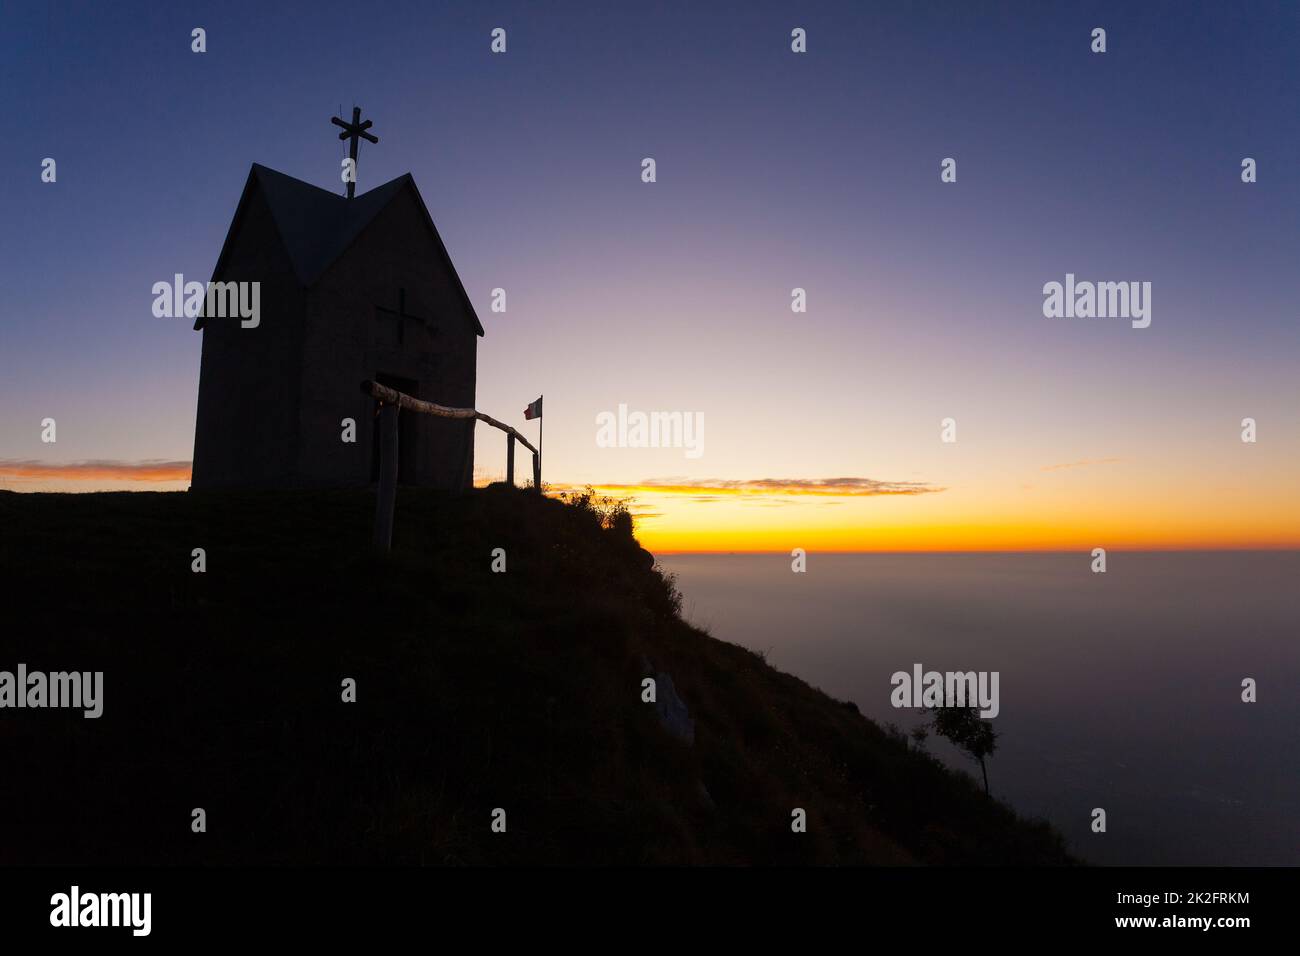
(317,226)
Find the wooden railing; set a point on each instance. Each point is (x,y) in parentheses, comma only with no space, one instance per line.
(391,401)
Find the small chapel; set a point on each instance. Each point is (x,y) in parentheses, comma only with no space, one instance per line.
(351,288)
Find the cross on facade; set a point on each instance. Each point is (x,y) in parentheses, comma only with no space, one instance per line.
(354,131)
(401,315)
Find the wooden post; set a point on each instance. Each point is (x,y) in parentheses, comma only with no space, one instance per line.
(386,500)
(510,459)
(467,471)
(537,473)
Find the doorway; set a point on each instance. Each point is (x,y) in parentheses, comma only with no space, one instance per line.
(407,431)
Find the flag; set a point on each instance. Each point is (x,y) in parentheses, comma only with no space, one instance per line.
(534,410)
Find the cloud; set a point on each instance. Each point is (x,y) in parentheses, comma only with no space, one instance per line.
(713,488)
(149,470)
(1080,464)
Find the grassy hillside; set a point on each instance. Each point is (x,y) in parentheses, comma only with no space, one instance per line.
(476,690)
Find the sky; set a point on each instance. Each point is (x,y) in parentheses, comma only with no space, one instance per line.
(775,170)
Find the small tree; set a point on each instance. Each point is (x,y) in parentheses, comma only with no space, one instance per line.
(963,726)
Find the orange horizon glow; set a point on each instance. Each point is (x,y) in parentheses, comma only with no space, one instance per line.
(677,520)
(96,471)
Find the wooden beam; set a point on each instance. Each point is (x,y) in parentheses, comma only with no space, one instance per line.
(510,460)
(391,396)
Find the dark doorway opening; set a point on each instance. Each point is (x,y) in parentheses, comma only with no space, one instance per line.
(407,431)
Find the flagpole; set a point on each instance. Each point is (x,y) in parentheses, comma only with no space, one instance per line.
(541,401)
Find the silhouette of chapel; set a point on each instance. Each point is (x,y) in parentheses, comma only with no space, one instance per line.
(351,289)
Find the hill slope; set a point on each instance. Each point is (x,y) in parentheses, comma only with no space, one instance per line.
(475,690)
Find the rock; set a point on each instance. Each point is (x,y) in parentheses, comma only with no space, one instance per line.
(706,798)
(673,715)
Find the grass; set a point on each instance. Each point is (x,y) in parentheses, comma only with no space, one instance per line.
(475,690)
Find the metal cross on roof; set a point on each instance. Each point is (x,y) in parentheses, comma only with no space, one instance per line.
(354,130)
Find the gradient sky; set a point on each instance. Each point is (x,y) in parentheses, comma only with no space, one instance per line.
(775,170)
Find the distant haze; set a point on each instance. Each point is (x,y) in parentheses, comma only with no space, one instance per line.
(1119,690)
